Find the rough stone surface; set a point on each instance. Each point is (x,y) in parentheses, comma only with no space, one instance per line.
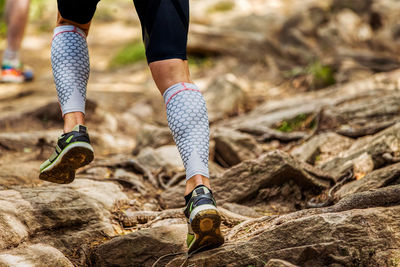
(69,213)
(153,136)
(141,248)
(270,169)
(241,209)
(375,146)
(39,255)
(367,237)
(321,148)
(279,263)
(380,178)
(233,147)
(163,157)
(225,97)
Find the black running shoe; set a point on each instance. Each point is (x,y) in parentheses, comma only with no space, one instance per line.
(73,150)
(203,221)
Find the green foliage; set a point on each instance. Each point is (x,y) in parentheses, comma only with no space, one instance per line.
(39,15)
(322,75)
(292,124)
(132,53)
(221,7)
(36,9)
(199,61)
(301,122)
(3,27)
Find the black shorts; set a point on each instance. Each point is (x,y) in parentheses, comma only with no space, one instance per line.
(164,23)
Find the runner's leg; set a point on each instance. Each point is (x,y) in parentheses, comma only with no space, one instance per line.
(165,27)
(70,58)
(16,15)
(70,63)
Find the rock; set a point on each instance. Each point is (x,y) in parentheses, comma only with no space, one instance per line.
(38,255)
(32,140)
(351,28)
(173,196)
(141,248)
(142,110)
(321,148)
(17,172)
(230,218)
(362,165)
(215,169)
(64,216)
(233,147)
(153,136)
(243,181)
(380,178)
(342,238)
(225,97)
(129,124)
(132,218)
(357,6)
(374,146)
(166,157)
(107,143)
(241,209)
(133,180)
(95,190)
(147,219)
(206,40)
(278,263)
(273,168)
(338,107)
(365,115)
(99,172)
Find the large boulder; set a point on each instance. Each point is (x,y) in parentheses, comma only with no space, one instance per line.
(38,255)
(244,181)
(141,248)
(360,237)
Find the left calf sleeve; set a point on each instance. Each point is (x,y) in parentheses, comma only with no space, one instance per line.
(188,120)
(70,64)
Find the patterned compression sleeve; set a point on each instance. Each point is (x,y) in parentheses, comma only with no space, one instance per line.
(188,120)
(70,63)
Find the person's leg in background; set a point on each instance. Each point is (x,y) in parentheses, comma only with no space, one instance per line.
(165,28)
(16,15)
(70,64)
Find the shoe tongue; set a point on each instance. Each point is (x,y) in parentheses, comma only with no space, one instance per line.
(80,128)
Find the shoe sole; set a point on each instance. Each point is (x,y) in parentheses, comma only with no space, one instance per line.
(206,227)
(62,171)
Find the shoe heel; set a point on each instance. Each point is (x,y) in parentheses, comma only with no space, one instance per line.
(206,226)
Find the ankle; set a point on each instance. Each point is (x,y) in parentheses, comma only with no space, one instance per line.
(195,181)
(72,119)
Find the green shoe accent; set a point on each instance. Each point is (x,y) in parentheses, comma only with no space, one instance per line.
(69,139)
(189,239)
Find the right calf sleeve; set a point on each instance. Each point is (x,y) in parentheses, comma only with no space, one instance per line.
(70,63)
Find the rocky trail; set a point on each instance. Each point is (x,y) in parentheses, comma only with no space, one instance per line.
(304,156)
